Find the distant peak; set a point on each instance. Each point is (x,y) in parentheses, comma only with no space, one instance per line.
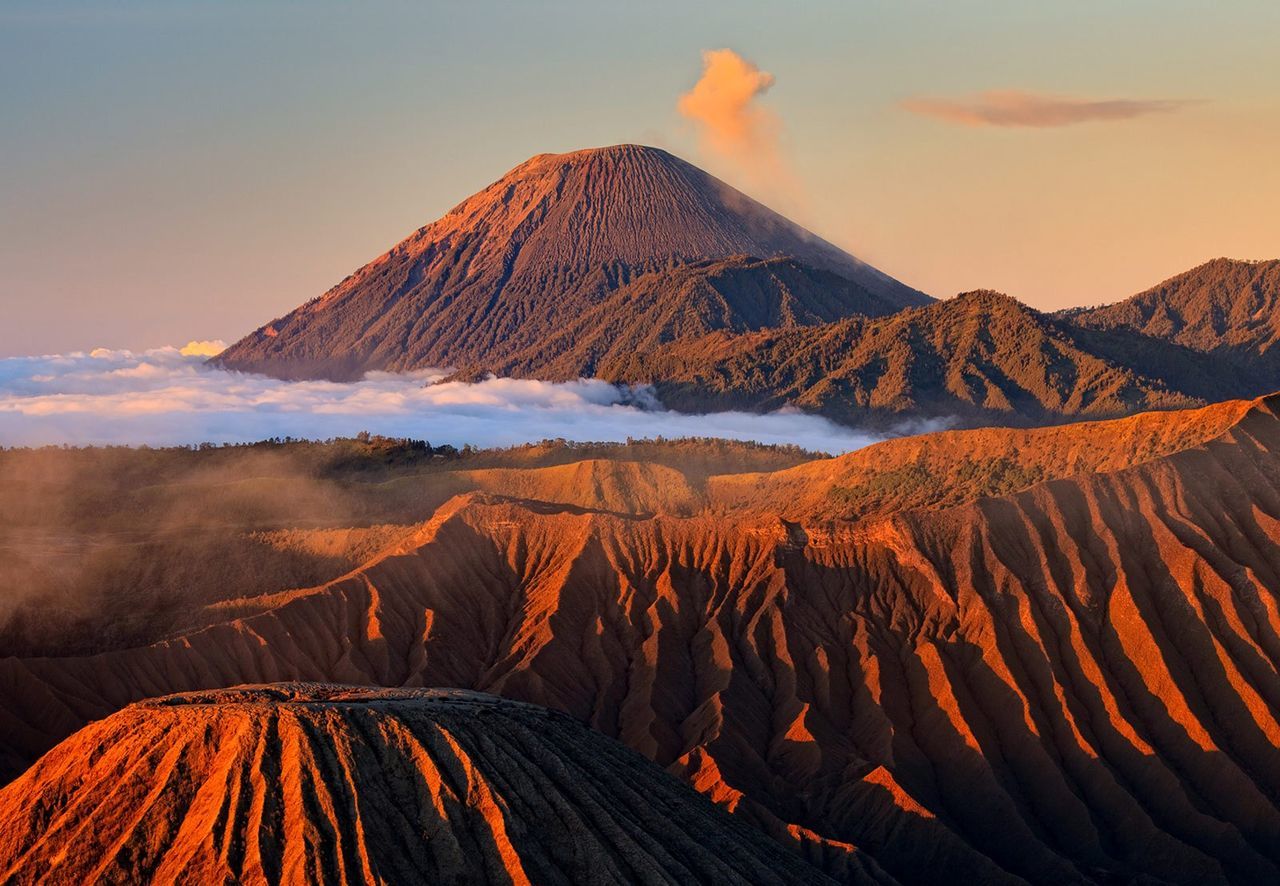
(542,245)
(626,149)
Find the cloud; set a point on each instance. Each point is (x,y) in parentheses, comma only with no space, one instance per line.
(165,397)
(1015,108)
(733,126)
(204,348)
(722,102)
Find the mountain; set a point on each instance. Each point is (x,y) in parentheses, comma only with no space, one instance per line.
(308,783)
(511,266)
(628,264)
(980,356)
(1060,668)
(733,295)
(1229,309)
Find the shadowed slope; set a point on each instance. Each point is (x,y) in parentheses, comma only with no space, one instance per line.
(739,294)
(1227,308)
(306,783)
(979,356)
(511,266)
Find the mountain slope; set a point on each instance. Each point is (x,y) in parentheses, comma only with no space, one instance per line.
(1076,682)
(308,783)
(979,356)
(511,265)
(738,294)
(1227,308)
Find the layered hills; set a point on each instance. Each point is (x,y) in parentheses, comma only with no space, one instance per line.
(511,266)
(979,356)
(628,264)
(307,783)
(1060,669)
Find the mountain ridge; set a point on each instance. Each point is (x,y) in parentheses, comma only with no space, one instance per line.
(1228,308)
(980,356)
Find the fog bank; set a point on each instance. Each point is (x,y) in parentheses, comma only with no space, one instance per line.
(168,396)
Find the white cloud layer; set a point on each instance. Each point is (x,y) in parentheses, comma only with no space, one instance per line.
(167,397)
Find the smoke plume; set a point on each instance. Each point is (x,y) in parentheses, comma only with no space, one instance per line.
(731,123)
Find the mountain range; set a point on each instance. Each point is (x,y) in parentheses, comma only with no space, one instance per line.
(631,265)
(999,655)
(1041,652)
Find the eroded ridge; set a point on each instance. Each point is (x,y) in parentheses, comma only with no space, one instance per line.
(1074,682)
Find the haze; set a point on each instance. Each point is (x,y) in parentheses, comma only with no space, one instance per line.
(187,171)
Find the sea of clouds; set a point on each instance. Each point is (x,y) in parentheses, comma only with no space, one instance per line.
(169,396)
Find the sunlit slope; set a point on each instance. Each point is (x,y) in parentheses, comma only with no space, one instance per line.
(109,548)
(950,467)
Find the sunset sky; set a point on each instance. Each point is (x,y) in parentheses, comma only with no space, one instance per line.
(172,171)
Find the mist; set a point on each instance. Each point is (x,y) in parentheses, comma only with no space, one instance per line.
(168,396)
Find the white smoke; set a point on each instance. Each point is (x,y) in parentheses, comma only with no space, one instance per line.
(167,397)
(732,125)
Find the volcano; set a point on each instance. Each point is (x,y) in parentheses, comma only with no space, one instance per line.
(336,784)
(510,267)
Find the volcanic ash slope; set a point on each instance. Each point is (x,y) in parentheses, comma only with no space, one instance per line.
(315,783)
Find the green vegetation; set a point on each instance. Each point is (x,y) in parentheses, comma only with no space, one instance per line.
(917,482)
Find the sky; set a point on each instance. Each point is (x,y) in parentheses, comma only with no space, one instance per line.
(189,170)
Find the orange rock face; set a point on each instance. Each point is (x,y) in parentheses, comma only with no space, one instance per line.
(307,783)
(1072,681)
